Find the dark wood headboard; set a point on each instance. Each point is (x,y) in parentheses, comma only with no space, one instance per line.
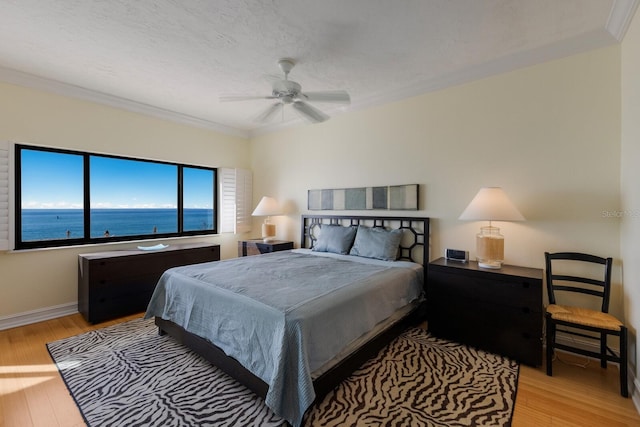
(413,247)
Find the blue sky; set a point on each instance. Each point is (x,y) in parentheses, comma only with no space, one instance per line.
(54,181)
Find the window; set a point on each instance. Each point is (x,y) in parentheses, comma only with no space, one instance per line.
(51,191)
(132,197)
(197,199)
(66,197)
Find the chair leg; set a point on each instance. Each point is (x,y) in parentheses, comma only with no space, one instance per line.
(624,390)
(551,331)
(603,350)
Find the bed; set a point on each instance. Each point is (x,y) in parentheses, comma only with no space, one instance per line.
(309,316)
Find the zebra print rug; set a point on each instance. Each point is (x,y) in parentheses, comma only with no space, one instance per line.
(128,375)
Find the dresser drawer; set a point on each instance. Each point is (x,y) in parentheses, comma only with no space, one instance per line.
(114,268)
(509,331)
(107,303)
(521,293)
(125,284)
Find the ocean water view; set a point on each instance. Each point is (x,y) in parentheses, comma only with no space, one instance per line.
(48,224)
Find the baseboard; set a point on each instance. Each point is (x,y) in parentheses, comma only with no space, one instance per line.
(583,343)
(635,393)
(34,316)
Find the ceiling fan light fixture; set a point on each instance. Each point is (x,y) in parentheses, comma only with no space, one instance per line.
(286,99)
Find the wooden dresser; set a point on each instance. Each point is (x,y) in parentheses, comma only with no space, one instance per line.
(496,310)
(118,283)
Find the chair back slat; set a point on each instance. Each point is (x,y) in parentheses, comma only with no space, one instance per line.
(578,256)
(573,283)
(593,292)
(587,280)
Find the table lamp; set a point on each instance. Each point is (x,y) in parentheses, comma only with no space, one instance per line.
(267,207)
(491,204)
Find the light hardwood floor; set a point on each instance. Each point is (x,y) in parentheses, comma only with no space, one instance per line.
(33,394)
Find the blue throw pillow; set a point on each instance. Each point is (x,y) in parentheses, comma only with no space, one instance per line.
(335,238)
(377,243)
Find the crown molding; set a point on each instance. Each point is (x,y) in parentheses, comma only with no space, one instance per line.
(36,82)
(620,17)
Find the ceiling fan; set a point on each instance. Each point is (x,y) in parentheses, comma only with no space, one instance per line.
(288,92)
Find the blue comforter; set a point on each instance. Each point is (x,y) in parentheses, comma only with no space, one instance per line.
(283,315)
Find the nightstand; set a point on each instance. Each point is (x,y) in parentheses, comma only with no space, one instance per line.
(258,246)
(495,310)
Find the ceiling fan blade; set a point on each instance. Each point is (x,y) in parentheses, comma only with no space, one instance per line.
(231,98)
(312,114)
(337,96)
(269,112)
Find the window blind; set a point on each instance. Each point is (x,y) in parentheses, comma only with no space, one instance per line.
(4,195)
(236,190)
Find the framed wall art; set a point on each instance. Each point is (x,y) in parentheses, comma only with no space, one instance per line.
(392,197)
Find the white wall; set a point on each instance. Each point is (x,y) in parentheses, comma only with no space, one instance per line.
(630,185)
(548,134)
(33,280)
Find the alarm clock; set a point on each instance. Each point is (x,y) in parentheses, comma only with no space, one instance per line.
(456,255)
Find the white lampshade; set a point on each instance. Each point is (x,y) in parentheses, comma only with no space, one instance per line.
(491,204)
(267,207)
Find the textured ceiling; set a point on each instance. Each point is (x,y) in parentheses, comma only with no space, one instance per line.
(174,58)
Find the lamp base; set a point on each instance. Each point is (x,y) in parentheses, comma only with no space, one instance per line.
(268,232)
(490,248)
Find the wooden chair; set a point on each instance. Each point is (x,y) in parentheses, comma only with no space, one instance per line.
(583,321)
